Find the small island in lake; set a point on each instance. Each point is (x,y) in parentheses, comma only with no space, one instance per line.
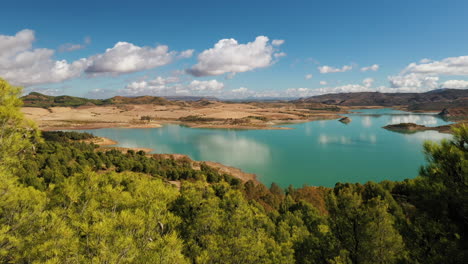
(345,120)
(413,128)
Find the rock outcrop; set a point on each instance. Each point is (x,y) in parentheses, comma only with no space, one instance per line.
(457,112)
(345,120)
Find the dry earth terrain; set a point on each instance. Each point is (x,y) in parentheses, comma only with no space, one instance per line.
(68,112)
(207,114)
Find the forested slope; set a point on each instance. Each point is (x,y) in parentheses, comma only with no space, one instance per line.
(35,99)
(62,201)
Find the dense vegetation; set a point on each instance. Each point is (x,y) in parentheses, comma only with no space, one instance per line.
(64,201)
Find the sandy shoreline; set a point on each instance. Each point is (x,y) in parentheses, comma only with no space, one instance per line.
(107,143)
(272,125)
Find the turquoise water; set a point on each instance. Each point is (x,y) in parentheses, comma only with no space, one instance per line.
(318,153)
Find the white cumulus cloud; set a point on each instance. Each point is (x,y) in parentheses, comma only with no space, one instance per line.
(447,66)
(228,56)
(164,86)
(308,76)
(329,69)
(126,57)
(415,82)
(211,85)
(277,42)
(424,75)
(22,65)
(159,85)
(12,45)
(374,67)
(347,88)
(240,90)
(455,84)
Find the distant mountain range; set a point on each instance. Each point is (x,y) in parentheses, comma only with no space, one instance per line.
(432,100)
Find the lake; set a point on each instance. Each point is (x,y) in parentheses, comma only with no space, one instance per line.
(319,153)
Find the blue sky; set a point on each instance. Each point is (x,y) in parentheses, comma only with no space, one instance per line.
(416,45)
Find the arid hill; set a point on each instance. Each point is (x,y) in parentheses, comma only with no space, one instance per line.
(67,112)
(434,100)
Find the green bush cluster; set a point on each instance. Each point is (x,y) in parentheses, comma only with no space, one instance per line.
(193,118)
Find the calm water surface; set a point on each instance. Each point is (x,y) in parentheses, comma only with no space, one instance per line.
(314,153)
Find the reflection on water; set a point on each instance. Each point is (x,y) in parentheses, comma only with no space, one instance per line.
(396,117)
(425,120)
(427,135)
(232,149)
(366,121)
(307,129)
(345,140)
(315,153)
(371,138)
(326,139)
